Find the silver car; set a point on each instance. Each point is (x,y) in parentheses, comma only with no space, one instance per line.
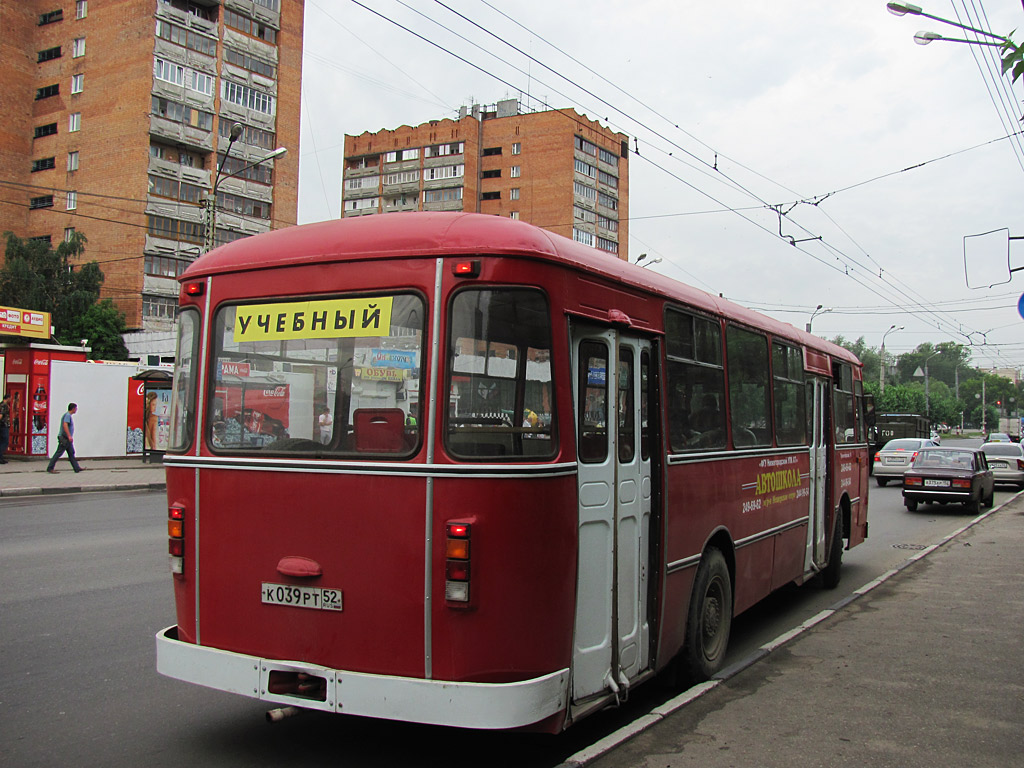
(895,457)
(1006,460)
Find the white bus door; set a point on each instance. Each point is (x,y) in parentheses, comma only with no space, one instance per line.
(818,406)
(612,387)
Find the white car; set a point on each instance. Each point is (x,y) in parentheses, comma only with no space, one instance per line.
(895,457)
(1006,460)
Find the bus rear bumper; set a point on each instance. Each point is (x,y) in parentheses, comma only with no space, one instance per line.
(435,702)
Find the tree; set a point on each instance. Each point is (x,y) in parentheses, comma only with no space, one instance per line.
(102,326)
(38,277)
(868,356)
(1013,59)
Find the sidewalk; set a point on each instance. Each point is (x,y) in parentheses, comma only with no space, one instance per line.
(924,670)
(28,477)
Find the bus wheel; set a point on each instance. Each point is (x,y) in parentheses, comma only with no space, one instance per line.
(830,573)
(709,619)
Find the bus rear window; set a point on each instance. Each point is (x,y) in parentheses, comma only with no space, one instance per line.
(335,376)
(500,404)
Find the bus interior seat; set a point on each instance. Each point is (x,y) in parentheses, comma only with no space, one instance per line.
(379,430)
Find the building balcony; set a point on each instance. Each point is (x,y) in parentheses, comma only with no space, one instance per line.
(176,133)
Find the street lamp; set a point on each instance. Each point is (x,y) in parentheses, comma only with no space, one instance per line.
(817,311)
(923,38)
(881,354)
(927,399)
(211,200)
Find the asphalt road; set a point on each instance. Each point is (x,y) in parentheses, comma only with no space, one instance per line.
(85,587)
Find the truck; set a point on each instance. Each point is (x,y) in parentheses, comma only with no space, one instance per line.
(889,426)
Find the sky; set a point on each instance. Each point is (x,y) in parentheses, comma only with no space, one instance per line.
(787,154)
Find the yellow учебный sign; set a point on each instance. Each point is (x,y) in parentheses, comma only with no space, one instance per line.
(24,322)
(321,319)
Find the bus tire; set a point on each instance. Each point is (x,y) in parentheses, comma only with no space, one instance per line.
(830,574)
(709,619)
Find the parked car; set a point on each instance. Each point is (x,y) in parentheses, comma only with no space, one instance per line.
(1006,460)
(893,458)
(944,475)
(999,437)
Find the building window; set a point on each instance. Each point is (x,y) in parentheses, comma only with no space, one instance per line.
(515,172)
(69,232)
(271,4)
(513,214)
(245,206)
(403,177)
(607,245)
(608,157)
(169,72)
(257,137)
(441,150)
(72,161)
(175,229)
(78,47)
(81,9)
(362,182)
(582,214)
(251,63)
(249,26)
(607,201)
(41,239)
(164,266)
(179,113)
(263,173)
(247,97)
(186,38)
(582,237)
(492,174)
(47,91)
(488,151)
(586,169)
(77,81)
(612,225)
(162,307)
(74,121)
(491,196)
(51,17)
(446,195)
(443,172)
(517,148)
(607,179)
(360,205)
(585,146)
(43,164)
(45,130)
(48,54)
(582,190)
(72,200)
(513,194)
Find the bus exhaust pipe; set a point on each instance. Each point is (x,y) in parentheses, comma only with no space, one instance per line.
(279,714)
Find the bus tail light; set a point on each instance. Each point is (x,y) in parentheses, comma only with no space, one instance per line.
(176,537)
(456,567)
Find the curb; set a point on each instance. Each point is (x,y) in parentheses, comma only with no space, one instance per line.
(39,491)
(647,720)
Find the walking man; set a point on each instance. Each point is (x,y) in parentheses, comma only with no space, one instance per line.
(5,425)
(66,440)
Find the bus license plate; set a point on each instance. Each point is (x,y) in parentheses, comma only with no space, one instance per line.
(936,483)
(301,597)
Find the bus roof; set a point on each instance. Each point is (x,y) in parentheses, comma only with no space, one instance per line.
(435,234)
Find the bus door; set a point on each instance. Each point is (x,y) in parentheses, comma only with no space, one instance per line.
(612,387)
(818,410)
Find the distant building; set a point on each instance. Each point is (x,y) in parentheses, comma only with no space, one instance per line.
(1013,374)
(555,169)
(115,116)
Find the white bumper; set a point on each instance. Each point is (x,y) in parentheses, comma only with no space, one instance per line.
(437,702)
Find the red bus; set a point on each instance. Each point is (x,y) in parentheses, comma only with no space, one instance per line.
(454,469)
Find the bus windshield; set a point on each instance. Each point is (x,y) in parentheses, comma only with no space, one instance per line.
(326,376)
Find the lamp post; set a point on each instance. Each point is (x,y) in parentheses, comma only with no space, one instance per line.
(211,199)
(923,38)
(817,311)
(881,354)
(927,399)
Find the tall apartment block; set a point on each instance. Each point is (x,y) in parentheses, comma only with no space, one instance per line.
(116,115)
(555,169)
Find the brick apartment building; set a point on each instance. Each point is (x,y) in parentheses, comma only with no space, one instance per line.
(116,114)
(555,169)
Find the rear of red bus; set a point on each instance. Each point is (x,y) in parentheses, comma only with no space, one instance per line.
(369,508)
